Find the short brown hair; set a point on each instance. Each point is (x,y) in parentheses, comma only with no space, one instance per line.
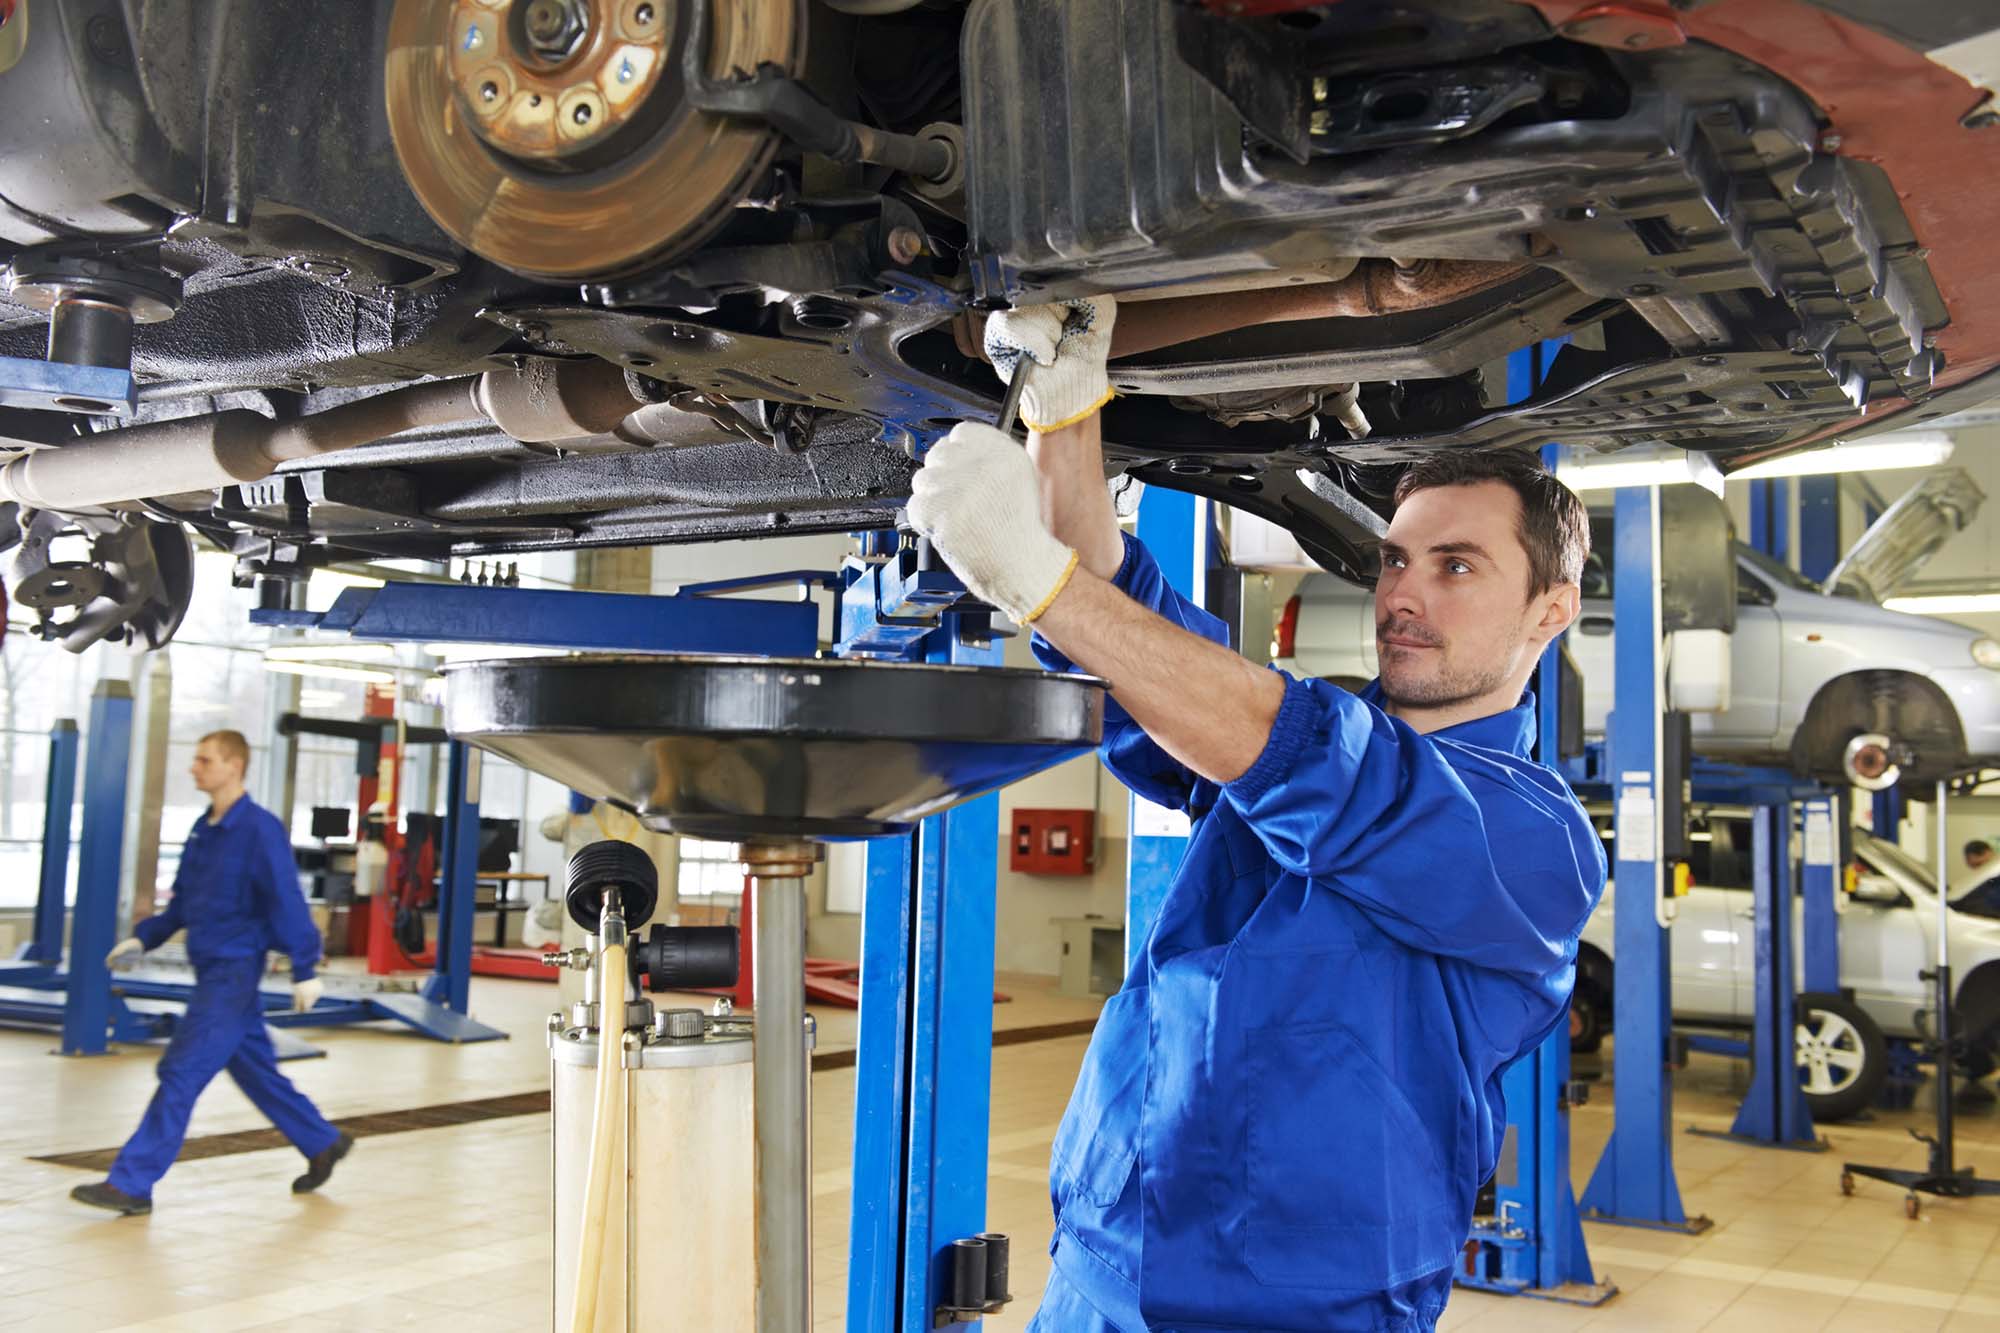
(1554,528)
(232,745)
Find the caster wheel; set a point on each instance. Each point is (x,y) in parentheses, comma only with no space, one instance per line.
(1911,1207)
(1847,1182)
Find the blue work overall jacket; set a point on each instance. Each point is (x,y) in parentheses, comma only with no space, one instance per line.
(1285,1114)
(237,895)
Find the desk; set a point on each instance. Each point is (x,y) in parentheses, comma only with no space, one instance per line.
(503,902)
(1093,955)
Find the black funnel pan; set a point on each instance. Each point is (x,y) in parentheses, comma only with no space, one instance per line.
(760,749)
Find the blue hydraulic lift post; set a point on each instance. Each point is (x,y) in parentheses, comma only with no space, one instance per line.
(51,900)
(1819,526)
(942,923)
(1774,1109)
(1173,526)
(1770,517)
(881,1082)
(1536,1246)
(1634,1181)
(1819,551)
(87,1000)
(451,983)
(1821,889)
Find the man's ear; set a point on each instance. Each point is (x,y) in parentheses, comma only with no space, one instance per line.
(1560,606)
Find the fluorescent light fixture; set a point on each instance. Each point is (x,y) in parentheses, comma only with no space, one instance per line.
(1614,475)
(1887,454)
(1946,604)
(467,652)
(330,671)
(341,650)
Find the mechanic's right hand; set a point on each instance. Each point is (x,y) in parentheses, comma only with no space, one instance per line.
(1069,342)
(128,945)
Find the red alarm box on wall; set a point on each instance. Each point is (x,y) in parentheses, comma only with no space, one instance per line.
(1054,842)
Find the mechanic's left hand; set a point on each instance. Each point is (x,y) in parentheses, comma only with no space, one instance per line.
(305,994)
(977,497)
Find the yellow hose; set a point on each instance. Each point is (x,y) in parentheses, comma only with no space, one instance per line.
(607,1132)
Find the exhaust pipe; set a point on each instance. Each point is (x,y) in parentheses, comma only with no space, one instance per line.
(542,401)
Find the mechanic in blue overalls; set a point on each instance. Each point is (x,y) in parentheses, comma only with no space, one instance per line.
(237,895)
(1285,1115)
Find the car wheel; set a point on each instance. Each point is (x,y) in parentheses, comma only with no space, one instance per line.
(1842,1057)
(1588,1020)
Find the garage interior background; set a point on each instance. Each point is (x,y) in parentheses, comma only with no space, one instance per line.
(214,675)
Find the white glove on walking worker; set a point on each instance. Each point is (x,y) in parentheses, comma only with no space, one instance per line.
(1069,342)
(128,945)
(305,994)
(978,499)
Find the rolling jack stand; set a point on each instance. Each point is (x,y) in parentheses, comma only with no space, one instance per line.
(1943,1176)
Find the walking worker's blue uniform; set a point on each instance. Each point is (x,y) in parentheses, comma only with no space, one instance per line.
(1285,1115)
(237,895)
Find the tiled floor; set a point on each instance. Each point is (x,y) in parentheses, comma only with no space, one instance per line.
(448,1228)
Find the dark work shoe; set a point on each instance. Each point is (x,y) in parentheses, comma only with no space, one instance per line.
(319,1167)
(104,1194)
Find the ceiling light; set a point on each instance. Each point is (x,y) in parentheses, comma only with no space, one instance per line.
(331,672)
(1616,474)
(1885,454)
(1945,604)
(342,650)
(466,652)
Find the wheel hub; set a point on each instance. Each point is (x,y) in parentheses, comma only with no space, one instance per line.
(553,137)
(543,81)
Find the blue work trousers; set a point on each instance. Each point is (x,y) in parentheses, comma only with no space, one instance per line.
(222,1029)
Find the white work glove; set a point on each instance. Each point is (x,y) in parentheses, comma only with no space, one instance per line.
(1069,343)
(305,994)
(125,947)
(978,499)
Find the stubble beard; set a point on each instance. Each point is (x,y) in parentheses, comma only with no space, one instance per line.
(1446,684)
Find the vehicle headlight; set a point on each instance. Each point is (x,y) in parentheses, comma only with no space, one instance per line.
(1987,653)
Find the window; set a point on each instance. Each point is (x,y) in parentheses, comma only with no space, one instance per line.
(710,873)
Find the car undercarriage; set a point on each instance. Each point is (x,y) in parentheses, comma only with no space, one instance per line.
(443,278)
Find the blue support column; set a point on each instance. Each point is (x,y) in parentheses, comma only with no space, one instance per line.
(1888,813)
(1774,1110)
(1821,891)
(451,983)
(1770,517)
(1173,526)
(1634,1181)
(923,1066)
(881,1088)
(1819,526)
(1535,1245)
(88,1002)
(51,899)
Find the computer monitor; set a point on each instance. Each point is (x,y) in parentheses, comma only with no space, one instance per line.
(331,821)
(499,839)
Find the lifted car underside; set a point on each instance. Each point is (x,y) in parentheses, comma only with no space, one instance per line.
(441,278)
